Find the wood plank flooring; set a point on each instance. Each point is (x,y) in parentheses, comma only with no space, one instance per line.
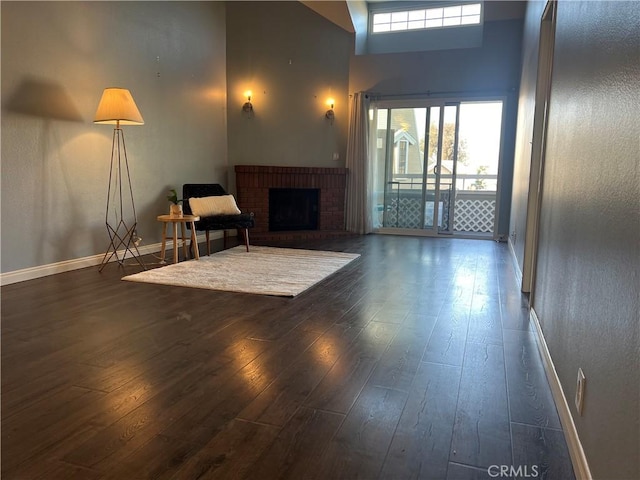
(415,361)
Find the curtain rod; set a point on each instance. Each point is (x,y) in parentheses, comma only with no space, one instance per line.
(429,93)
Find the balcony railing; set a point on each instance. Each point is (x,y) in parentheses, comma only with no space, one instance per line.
(472,182)
(474,209)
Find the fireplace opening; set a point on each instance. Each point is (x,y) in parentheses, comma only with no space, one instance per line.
(293,209)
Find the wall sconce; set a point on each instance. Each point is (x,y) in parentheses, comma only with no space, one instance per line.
(330,113)
(248,107)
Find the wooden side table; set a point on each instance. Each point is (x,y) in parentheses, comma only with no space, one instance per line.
(182,221)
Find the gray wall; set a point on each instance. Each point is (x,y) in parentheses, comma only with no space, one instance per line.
(493,68)
(57,57)
(586,291)
(292,59)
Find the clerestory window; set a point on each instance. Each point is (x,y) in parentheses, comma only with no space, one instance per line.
(425,18)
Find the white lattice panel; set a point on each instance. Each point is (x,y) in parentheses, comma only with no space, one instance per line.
(470,215)
(474,215)
(405,215)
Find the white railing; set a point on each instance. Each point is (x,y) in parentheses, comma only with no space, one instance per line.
(473,182)
(474,209)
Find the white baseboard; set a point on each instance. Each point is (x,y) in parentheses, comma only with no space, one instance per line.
(514,259)
(77,263)
(578,457)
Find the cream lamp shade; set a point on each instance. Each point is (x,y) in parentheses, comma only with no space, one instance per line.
(117,107)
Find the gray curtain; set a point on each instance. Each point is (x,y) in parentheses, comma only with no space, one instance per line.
(358,214)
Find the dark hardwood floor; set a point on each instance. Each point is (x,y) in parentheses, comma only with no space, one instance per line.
(415,361)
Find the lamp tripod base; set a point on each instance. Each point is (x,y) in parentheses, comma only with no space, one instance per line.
(122,241)
(122,237)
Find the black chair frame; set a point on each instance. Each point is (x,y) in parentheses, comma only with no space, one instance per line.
(242,221)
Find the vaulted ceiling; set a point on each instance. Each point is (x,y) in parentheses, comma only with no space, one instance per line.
(337,12)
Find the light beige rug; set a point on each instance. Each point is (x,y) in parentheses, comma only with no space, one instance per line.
(284,272)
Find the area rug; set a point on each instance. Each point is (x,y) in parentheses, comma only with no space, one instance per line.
(284,272)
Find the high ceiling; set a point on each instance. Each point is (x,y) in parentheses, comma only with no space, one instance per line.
(339,12)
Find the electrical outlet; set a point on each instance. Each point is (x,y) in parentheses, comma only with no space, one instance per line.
(580,386)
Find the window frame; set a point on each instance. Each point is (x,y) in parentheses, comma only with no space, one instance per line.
(426,8)
(403,157)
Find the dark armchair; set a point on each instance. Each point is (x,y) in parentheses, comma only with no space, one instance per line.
(241,221)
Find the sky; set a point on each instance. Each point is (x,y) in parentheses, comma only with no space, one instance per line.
(480,125)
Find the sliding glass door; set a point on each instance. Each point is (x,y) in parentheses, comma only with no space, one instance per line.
(435,165)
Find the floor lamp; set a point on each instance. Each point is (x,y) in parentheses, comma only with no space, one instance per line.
(117,108)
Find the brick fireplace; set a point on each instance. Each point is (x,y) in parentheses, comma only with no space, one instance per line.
(253,184)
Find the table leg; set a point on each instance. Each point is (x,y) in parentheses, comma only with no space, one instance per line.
(164,242)
(183,230)
(194,241)
(175,242)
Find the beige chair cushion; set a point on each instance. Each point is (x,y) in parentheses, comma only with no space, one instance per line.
(215,205)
